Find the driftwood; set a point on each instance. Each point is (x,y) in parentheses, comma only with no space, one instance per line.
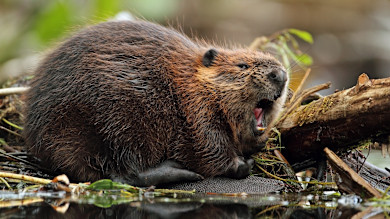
(337,121)
(350,181)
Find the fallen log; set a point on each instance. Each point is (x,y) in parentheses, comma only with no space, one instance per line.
(337,121)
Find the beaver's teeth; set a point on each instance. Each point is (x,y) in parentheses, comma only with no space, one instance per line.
(262,129)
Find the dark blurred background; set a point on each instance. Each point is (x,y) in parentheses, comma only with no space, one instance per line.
(350,36)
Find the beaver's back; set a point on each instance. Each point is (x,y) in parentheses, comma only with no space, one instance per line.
(110,79)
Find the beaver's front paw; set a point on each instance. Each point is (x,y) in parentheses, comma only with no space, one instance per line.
(240,168)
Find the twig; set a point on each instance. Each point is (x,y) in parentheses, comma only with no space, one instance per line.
(25,178)
(6,147)
(384,194)
(268,209)
(363,213)
(10,131)
(287,166)
(6,183)
(24,161)
(270,174)
(36,180)
(18,203)
(12,124)
(13,90)
(300,86)
(258,42)
(174,191)
(291,180)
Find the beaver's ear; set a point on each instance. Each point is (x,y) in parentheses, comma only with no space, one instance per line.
(209,57)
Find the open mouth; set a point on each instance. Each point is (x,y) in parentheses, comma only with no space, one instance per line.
(259,113)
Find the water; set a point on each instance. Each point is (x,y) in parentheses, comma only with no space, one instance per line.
(375,157)
(150,205)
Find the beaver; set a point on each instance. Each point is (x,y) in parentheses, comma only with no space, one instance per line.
(144,104)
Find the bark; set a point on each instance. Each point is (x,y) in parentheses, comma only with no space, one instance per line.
(337,121)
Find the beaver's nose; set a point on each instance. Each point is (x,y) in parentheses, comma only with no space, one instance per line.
(278,77)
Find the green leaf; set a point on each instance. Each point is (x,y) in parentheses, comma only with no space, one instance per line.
(293,41)
(104,203)
(107,184)
(304,35)
(305,59)
(301,59)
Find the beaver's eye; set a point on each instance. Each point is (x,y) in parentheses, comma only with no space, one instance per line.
(243,66)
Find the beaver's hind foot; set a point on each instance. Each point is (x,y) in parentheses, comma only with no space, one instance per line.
(167,172)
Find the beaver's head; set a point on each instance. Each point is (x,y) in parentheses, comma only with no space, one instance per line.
(251,87)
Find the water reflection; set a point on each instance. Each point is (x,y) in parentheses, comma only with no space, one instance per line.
(189,206)
(170,210)
(185,210)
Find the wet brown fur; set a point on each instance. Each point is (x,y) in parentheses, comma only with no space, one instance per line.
(120,97)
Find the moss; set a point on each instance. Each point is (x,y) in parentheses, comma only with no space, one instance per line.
(309,112)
